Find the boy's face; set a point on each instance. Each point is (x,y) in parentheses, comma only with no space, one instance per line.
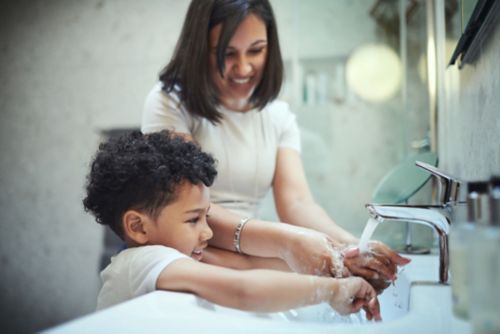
(182,224)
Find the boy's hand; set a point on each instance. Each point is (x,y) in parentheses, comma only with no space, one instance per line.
(354,293)
(378,265)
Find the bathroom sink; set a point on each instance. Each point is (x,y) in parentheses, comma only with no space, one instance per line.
(415,304)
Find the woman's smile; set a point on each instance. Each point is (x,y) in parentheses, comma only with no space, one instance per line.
(240,81)
(240,88)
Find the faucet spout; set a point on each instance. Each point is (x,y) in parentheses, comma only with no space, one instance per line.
(449,186)
(435,216)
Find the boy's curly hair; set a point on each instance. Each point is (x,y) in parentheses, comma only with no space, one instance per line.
(142,172)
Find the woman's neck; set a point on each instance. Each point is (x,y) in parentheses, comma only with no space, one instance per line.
(238,105)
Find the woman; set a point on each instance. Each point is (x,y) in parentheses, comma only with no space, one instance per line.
(220,89)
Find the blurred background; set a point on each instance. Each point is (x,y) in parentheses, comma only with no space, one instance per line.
(357,76)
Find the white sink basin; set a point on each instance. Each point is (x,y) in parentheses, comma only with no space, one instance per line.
(415,304)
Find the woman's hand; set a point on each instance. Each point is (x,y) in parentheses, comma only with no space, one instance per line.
(378,265)
(312,252)
(354,293)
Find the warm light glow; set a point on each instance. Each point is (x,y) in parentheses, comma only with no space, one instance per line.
(431,68)
(374,72)
(422,62)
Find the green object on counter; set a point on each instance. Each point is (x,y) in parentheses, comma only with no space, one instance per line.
(404,180)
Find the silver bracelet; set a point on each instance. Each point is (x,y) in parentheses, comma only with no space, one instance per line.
(237,233)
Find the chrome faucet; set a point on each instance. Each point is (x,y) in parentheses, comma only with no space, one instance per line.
(448,186)
(420,214)
(438,216)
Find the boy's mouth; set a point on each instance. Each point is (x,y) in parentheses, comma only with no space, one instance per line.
(197,254)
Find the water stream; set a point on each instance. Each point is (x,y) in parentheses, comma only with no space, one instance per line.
(370,227)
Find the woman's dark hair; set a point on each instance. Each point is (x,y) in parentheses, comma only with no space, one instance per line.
(142,172)
(188,70)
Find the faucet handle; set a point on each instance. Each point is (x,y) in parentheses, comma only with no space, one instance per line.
(449,185)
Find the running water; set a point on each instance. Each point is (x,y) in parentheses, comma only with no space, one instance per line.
(370,227)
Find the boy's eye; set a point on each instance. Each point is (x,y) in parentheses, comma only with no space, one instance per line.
(229,54)
(195,220)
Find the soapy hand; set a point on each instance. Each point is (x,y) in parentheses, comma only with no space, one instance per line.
(354,293)
(314,253)
(378,265)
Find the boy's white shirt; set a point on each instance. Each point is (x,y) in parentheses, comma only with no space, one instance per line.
(134,272)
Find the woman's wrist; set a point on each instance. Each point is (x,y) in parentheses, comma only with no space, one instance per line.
(263,238)
(289,238)
(237,234)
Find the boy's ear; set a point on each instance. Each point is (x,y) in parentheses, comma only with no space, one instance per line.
(133,227)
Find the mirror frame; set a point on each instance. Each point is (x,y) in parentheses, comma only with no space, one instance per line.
(476,34)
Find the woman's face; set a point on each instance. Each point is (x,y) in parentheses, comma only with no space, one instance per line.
(246,56)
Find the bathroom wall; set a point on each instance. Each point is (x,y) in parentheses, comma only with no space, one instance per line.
(469,126)
(69,68)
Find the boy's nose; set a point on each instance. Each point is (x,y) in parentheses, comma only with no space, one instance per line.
(207,233)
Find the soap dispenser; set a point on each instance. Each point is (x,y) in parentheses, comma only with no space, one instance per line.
(484,271)
(461,232)
(495,200)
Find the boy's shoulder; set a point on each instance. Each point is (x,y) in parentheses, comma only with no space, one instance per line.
(149,250)
(134,272)
(144,256)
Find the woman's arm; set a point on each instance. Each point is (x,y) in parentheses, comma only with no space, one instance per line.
(228,259)
(267,290)
(304,250)
(295,204)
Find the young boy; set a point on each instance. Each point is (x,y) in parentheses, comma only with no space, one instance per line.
(152,191)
